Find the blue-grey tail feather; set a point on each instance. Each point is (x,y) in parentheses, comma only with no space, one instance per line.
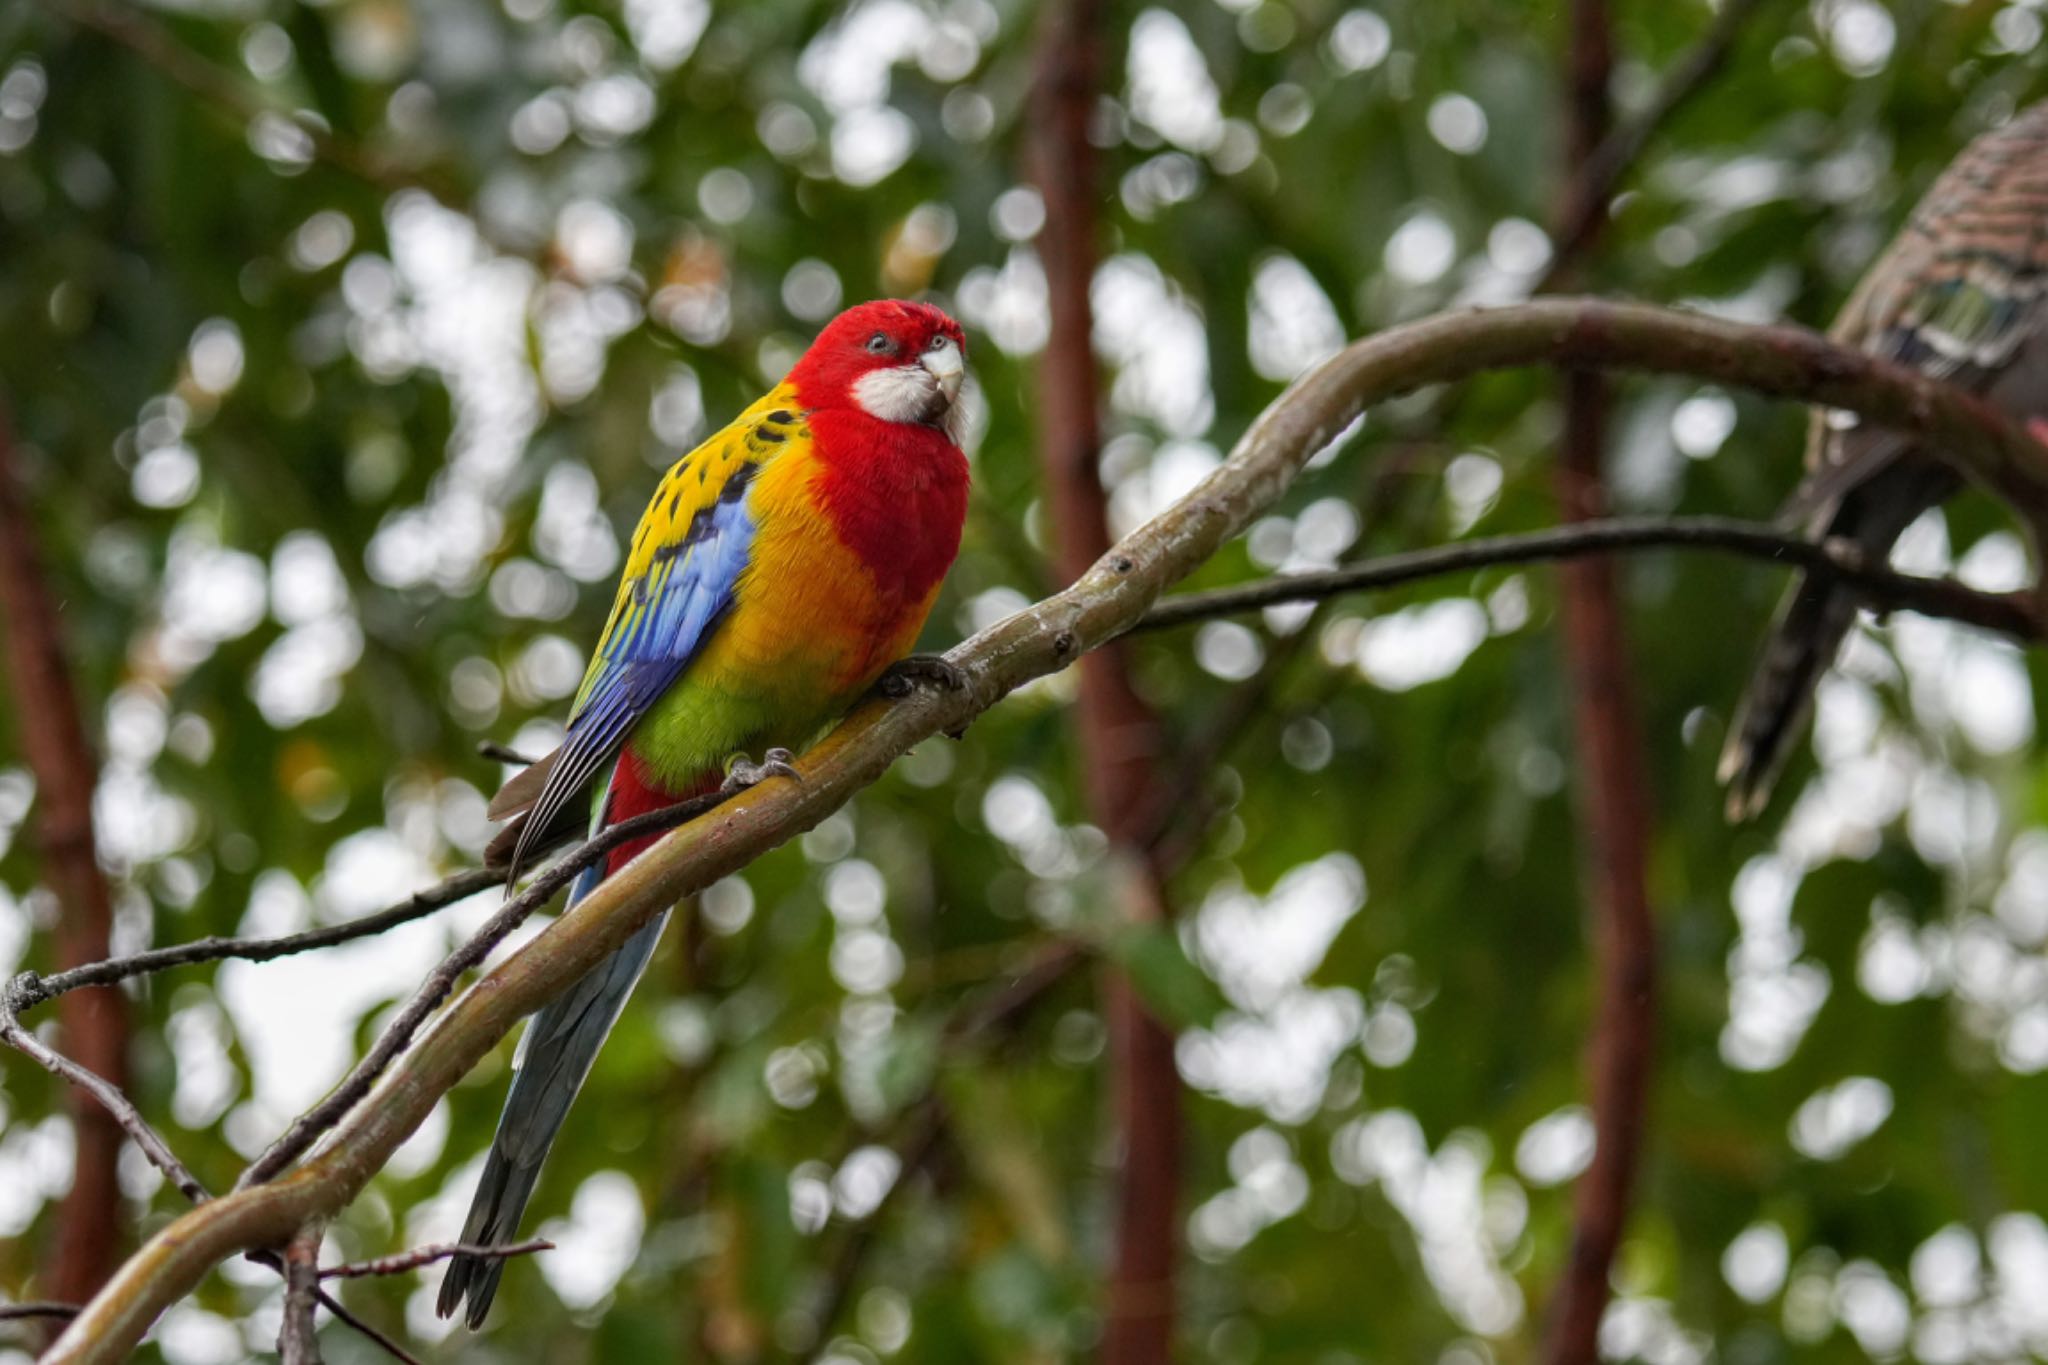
(555,1056)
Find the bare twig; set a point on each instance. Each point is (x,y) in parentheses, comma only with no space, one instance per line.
(384,1342)
(22,1312)
(298,1341)
(93,1026)
(1886,590)
(317,1120)
(1033,643)
(33,990)
(427,1255)
(503,753)
(110,1098)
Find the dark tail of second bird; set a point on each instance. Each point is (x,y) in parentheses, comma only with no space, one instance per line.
(1811,623)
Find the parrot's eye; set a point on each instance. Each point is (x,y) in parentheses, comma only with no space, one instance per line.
(879,344)
(938,343)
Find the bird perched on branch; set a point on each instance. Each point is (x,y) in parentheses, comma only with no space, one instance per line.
(782,567)
(1959,295)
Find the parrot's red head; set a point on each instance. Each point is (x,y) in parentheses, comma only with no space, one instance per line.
(894,360)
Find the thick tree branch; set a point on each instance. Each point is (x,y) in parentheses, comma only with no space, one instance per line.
(92,1026)
(1119,740)
(1041,639)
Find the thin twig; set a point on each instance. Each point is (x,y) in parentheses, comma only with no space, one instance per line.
(22,1312)
(109,1095)
(425,1256)
(32,990)
(503,753)
(390,1347)
(398,1033)
(1887,590)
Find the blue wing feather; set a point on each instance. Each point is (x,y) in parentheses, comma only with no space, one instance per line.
(665,617)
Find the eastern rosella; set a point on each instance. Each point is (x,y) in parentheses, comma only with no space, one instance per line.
(1958,294)
(780,569)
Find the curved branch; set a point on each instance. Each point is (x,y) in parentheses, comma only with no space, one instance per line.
(1885,589)
(1110,599)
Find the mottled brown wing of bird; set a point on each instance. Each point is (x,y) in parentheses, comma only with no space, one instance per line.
(1961,288)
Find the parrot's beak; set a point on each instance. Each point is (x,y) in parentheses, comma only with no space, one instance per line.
(946,366)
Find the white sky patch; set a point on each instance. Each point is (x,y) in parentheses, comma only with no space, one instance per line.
(1556,1147)
(1173,472)
(447,302)
(1008,305)
(1293,323)
(1859,33)
(570,530)
(1156,339)
(1268,1185)
(1259,947)
(868,145)
(1836,1118)
(1755,1262)
(297,1016)
(1422,249)
(1420,644)
(1442,1196)
(1278,1060)
(1773,993)
(666,31)
(1171,90)
(848,65)
(1275,1050)
(1360,41)
(595,1245)
(1457,123)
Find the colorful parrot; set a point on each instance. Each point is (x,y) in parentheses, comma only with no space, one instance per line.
(1959,294)
(782,567)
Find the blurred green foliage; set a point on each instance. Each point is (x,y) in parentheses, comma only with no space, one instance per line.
(331,468)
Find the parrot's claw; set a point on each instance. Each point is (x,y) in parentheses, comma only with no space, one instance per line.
(743,772)
(903,676)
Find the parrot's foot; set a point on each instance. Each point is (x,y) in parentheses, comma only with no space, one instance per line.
(903,676)
(743,772)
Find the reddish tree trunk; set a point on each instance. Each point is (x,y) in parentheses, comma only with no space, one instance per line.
(92,1024)
(1118,732)
(1613,794)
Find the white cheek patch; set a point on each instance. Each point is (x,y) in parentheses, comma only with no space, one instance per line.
(901,393)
